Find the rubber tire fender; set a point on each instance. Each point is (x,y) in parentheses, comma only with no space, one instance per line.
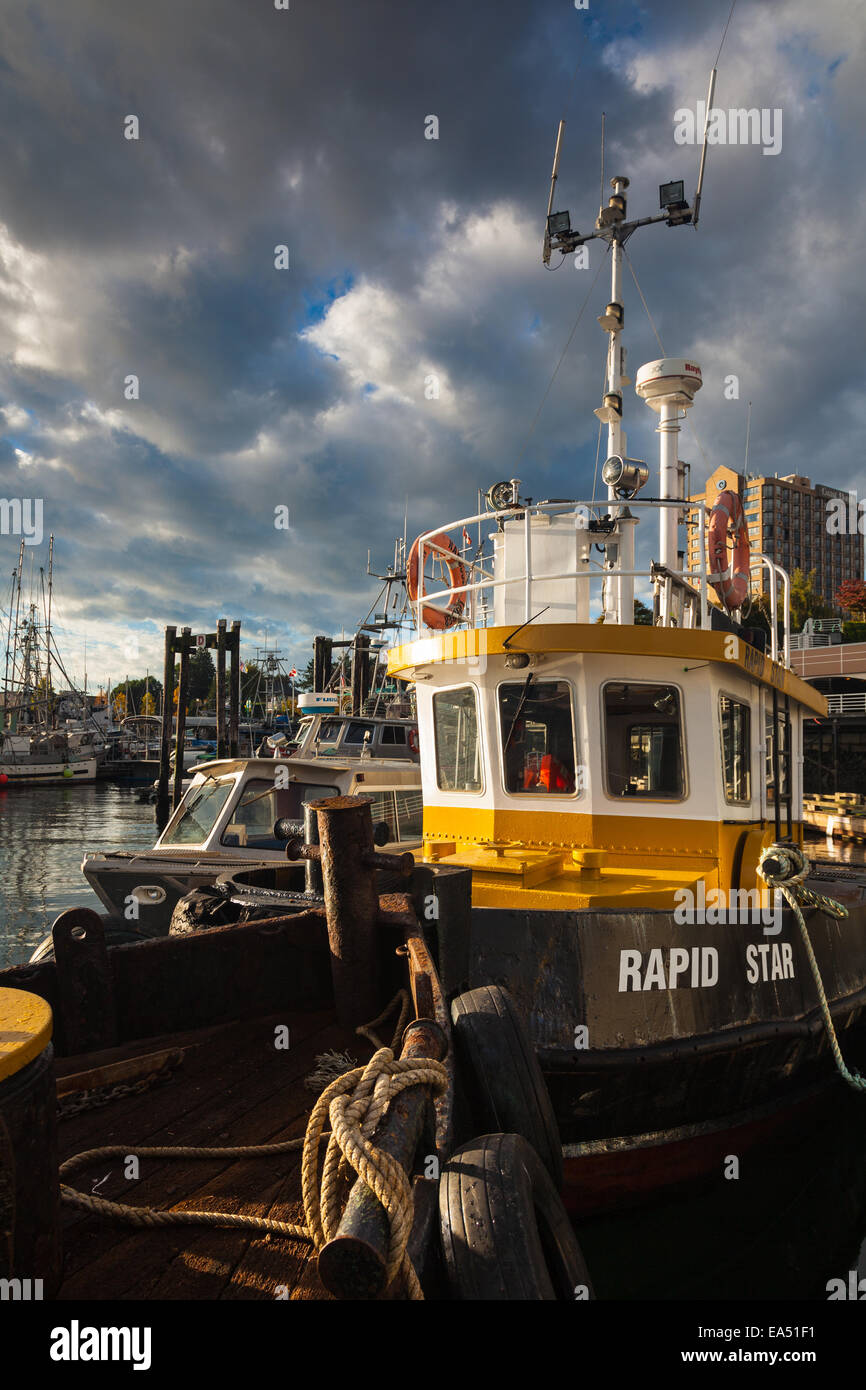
(506,1090)
(505,1234)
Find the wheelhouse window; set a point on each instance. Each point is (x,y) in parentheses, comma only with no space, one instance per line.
(393,733)
(359,731)
(382,811)
(458,751)
(262,804)
(644,740)
(199,811)
(409,815)
(736,722)
(777,731)
(537,730)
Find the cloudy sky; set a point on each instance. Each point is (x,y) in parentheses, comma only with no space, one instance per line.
(409,257)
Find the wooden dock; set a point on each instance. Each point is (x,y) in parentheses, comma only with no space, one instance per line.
(842,816)
(233,1087)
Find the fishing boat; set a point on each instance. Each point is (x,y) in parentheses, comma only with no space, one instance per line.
(240,811)
(628,797)
(38,745)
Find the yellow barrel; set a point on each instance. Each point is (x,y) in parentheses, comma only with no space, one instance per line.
(30,1251)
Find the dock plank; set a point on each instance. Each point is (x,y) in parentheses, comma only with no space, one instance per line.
(238,1089)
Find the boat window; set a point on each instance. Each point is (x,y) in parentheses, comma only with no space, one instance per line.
(736,721)
(261,804)
(644,740)
(784,756)
(329,729)
(537,737)
(382,809)
(198,813)
(393,733)
(458,753)
(358,731)
(409,815)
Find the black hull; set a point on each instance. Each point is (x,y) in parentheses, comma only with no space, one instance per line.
(651,1066)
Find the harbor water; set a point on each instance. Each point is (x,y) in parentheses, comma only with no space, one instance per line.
(44,833)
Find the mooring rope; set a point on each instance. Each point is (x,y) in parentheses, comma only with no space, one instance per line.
(790,881)
(354,1103)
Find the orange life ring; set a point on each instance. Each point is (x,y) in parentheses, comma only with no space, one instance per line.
(437,618)
(733,585)
(412,740)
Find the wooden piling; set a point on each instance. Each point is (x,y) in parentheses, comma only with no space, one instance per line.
(180,727)
(222,742)
(162,792)
(360,665)
(351,905)
(235,690)
(354,1263)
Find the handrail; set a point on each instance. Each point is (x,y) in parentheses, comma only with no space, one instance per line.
(480,576)
(588,510)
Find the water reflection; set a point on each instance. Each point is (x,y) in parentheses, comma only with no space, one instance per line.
(44,833)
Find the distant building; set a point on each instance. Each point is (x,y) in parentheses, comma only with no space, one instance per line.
(787,519)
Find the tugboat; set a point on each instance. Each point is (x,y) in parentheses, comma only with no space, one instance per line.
(628,798)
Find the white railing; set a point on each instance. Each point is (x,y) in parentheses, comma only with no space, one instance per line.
(481,580)
(804,641)
(846,704)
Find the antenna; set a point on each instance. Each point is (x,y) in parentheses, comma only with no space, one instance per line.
(710,95)
(553,177)
(601,193)
(748,433)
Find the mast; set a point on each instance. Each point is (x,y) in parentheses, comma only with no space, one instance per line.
(15,628)
(624,477)
(8,642)
(50,704)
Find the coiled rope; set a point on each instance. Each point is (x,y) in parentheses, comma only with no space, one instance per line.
(790,881)
(355,1103)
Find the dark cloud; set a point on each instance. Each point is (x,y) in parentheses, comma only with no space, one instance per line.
(408,257)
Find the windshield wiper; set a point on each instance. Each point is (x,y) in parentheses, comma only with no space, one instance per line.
(517,713)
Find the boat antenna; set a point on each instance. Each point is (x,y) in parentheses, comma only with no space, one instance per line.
(601,189)
(748,436)
(710,94)
(698,190)
(553,177)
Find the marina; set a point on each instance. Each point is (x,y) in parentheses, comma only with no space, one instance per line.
(488,926)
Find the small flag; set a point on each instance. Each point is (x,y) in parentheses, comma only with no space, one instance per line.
(467,539)
(293,673)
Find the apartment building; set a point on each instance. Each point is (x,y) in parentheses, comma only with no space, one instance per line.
(787,519)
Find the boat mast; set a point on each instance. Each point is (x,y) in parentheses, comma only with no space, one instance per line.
(15,628)
(619,471)
(49,705)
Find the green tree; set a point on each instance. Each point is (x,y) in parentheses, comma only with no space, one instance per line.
(304,679)
(805,602)
(643,616)
(201,672)
(134,691)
